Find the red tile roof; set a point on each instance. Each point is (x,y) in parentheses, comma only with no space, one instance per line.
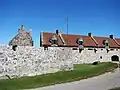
(70,40)
(100,40)
(47,36)
(118,40)
(113,43)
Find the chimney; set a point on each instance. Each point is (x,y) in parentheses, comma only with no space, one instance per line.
(19,31)
(22,27)
(58,32)
(111,36)
(89,34)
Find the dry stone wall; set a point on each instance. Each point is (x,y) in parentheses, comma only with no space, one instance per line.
(29,61)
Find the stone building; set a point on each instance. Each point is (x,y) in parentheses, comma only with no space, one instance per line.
(23,38)
(69,40)
(57,52)
(80,42)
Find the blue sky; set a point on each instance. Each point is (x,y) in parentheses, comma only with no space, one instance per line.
(101,17)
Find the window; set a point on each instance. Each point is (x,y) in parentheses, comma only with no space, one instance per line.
(74,48)
(100,57)
(14,47)
(54,40)
(45,47)
(90,49)
(95,50)
(80,41)
(112,49)
(106,42)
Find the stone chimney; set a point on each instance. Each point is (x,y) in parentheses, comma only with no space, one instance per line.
(19,31)
(58,32)
(111,36)
(89,34)
(23,27)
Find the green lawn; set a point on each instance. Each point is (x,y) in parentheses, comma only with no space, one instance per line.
(118,88)
(81,71)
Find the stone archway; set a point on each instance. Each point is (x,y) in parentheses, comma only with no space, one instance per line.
(115,58)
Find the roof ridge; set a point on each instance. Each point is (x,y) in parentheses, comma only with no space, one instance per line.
(101,37)
(49,32)
(116,42)
(94,40)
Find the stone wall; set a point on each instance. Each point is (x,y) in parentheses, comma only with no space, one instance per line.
(29,61)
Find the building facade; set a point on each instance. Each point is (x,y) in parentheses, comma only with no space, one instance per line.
(57,52)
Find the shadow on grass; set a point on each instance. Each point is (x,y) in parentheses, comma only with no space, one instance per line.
(117,88)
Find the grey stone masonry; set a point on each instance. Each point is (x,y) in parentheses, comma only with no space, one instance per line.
(30,61)
(23,38)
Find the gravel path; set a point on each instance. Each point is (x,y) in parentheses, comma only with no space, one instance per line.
(102,82)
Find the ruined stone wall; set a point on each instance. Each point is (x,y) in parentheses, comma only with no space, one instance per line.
(29,61)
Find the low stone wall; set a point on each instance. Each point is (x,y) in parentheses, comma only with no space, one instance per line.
(29,61)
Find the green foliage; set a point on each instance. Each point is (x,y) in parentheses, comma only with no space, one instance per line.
(81,71)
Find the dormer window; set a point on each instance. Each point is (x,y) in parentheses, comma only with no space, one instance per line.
(80,41)
(54,40)
(106,42)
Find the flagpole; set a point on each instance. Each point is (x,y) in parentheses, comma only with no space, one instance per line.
(67,30)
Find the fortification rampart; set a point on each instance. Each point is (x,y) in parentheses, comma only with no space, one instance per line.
(29,61)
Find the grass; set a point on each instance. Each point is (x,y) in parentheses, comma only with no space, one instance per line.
(117,88)
(81,71)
